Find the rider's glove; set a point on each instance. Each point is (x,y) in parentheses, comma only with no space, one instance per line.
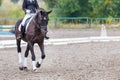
(27,11)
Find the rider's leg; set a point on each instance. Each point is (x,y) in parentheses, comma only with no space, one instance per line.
(24,19)
(22,26)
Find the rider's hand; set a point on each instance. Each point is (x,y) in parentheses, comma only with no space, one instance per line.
(27,11)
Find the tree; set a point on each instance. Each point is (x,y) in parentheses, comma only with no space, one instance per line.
(51,3)
(0,2)
(15,12)
(105,8)
(67,7)
(85,8)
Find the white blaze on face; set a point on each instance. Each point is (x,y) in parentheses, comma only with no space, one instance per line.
(45,18)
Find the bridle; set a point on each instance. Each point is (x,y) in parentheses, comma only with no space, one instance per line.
(38,21)
(38,25)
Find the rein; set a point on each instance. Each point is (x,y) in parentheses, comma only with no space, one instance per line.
(38,25)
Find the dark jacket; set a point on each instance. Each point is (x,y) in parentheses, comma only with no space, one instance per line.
(30,5)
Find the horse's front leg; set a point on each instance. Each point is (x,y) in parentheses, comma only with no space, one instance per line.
(18,42)
(33,55)
(42,55)
(25,58)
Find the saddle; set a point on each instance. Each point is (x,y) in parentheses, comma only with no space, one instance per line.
(23,28)
(27,21)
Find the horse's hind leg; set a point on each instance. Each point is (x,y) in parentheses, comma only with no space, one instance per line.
(25,58)
(42,55)
(33,55)
(18,41)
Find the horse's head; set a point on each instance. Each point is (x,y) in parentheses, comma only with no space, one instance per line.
(42,19)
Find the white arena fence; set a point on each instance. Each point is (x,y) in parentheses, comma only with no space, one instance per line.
(65,41)
(6,29)
(102,38)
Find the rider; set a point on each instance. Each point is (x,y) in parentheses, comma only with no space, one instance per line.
(29,7)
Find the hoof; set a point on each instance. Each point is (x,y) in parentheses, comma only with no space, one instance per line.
(25,68)
(34,70)
(43,56)
(21,68)
(38,65)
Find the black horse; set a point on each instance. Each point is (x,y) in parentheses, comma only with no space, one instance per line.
(35,33)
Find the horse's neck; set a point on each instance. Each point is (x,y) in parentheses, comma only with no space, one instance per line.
(37,30)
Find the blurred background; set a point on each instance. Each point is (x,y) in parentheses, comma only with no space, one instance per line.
(73,14)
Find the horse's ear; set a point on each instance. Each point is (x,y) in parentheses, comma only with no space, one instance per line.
(49,12)
(41,12)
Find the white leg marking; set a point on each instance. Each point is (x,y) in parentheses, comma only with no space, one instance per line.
(34,65)
(25,62)
(20,58)
(40,61)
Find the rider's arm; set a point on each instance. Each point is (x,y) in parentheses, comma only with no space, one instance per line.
(37,6)
(24,6)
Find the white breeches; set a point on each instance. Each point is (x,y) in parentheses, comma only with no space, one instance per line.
(26,17)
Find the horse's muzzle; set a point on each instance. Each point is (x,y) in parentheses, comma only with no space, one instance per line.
(44,30)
